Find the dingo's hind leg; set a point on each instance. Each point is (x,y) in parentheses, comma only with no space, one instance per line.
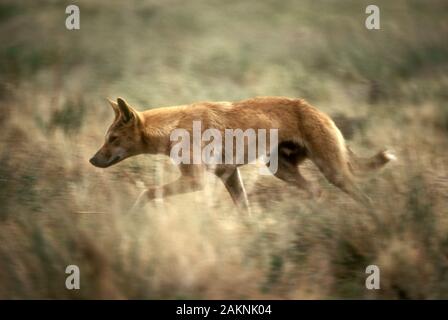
(344,181)
(290,155)
(326,148)
(337,172)
(233,182)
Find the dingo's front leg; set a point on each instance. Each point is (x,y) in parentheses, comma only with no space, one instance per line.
(189,181)
(233,182)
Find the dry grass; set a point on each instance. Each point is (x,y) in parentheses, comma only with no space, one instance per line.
(56,209)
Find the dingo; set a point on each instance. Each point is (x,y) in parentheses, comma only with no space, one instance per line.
(303,132)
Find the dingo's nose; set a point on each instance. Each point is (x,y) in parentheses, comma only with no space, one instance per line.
(92,161)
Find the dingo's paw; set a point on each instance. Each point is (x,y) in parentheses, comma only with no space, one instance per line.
(140,202)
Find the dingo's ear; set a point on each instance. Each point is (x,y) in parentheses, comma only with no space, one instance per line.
(126,110)
(114,106)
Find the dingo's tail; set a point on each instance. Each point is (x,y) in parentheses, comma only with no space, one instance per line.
(360,165)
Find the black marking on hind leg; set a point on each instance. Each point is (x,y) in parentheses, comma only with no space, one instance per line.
(292,152)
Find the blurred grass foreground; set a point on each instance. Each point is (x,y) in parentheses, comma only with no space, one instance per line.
(388,87)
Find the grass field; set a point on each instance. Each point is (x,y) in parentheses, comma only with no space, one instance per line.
(386,87)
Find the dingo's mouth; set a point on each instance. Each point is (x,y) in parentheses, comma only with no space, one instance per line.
(114,160)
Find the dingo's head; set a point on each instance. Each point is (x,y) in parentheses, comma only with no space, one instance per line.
(123,138)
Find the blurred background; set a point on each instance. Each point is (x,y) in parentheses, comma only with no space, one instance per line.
(384,87)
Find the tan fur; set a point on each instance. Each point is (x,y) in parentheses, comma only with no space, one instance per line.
(303,132)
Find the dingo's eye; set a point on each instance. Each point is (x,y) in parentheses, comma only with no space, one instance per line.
(112,139)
